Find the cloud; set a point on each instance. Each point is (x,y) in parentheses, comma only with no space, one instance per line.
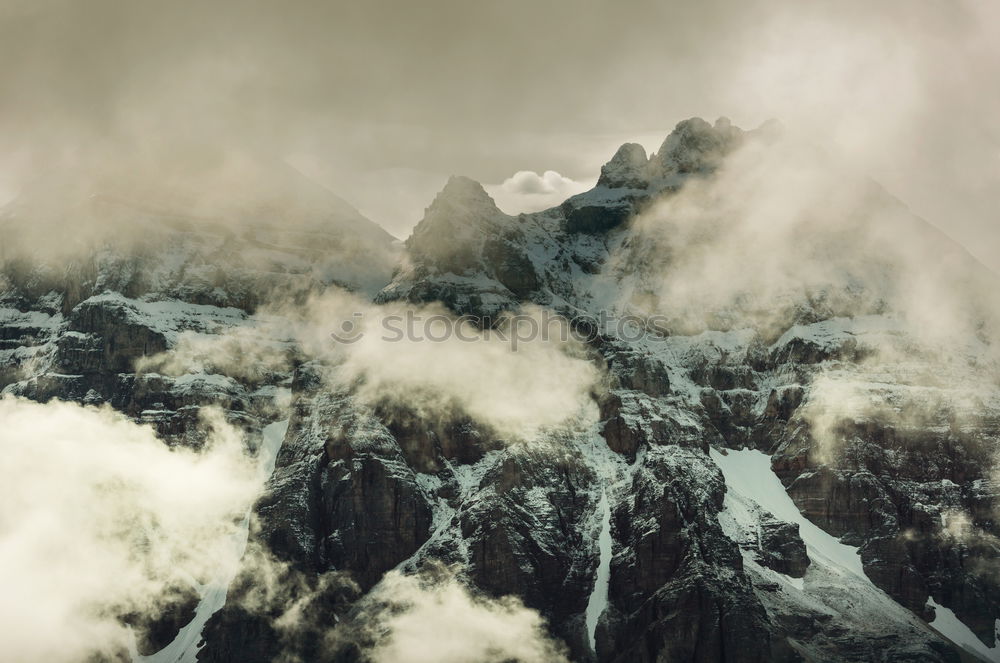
(422,357)
(529,182)
(100,520)
(432,617)
(438,365)
(442,621)
(527,191)
(248,353)
(540,384)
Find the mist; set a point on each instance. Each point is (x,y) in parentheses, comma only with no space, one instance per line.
(137,124)
(140,521)
(440,620)
(438,366)
(783,224)
(388,93)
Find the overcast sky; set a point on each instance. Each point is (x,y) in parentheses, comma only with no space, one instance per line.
(381,101)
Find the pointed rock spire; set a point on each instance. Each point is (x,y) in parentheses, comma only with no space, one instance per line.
(627,168)
(455,226)
(462,193)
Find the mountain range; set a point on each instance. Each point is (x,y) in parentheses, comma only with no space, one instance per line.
(770,434)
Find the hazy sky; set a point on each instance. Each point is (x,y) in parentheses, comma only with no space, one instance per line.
(381,101)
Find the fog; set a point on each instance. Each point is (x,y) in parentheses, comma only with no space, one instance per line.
(782,224)
(421,358)
(138,521)
(178,105)
(409,94)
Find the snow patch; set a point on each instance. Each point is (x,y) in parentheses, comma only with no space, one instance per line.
(170,317)
(835,582)
(750,482)
(950,626)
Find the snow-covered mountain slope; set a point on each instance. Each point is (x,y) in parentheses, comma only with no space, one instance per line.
(95,275)
(839,333)
(794,446)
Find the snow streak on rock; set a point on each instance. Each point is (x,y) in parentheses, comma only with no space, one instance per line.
(185,646)
(599,598)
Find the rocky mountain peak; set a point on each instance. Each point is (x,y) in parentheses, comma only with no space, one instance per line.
(631,180)
(627,168)
(695,146)
(455,225)
(462,194)
(460,208)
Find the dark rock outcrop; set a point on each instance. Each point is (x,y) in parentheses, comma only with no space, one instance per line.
(781,549)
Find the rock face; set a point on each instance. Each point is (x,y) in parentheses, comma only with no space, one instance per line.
(879,493)
(781,548)
(451,234)
(108,337)
(677,572)
(467,254)
(894,488)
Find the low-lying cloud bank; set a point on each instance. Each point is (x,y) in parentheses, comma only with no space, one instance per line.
(102,522)
(518,392)
(442,621)
(446,367)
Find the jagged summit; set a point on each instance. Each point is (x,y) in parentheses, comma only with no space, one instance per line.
(695,146)
(630,180)
(461,203)
(627,168)
(461,197)
(455,225)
